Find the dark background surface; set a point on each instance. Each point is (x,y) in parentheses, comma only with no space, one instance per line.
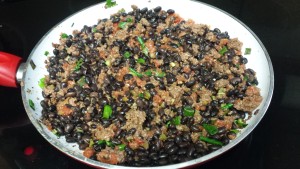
(274,144)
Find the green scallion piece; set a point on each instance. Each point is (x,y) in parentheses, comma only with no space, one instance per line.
(121,147)
(223,50)
(46,53)
(107,112)
(240,123)
(247,51)
(211,129)
(160,74)
(225,106)
(148,72)
(64,35)
(147,95)
(110,3)
(94,29)
(211,141)
(78,64)
(236,131)
(81,81)
(109,144)
(135,73)
(176,120)
(162,137)
(91,143)
(101,141)
(122,25)
(129,20)
(188,111)
(141,61)
(42,83)
(127,54)
(31,104)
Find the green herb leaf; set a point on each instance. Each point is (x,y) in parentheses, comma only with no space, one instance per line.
(211,141)
(46,53)
(91,143)
(148,72)
(122,10)
(223,50)
(64,35)
(94,29)
(145,51)
(240,123)
(245,78)
(247,51)
(78,64)
(168,123)
(107,112)
(122,25)
(211,129)
(81,81)
(129,20)
(141,61)
(121,147)
(160,74)
(109,144)
(127,54)
(135,73)
(42,83)
(141,95)
(225,106)
(110,3)
(141,41)
(162,137)
(176,120)
(147,95)
(31,104)
(236,131)
(101,141)
(188,111)
(54,131)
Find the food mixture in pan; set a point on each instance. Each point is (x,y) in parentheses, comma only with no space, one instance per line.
(148,88)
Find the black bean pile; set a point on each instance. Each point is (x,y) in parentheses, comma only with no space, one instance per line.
(148,88)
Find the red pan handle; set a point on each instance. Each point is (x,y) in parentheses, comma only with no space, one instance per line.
(8,69)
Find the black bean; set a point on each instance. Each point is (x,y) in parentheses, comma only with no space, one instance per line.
(157,9)
(70,140)
(178,140)
(235,80)
(170,11)
(168,145)
(70,94)
(172,150)
(213,147)
(190,151)
(68,128)
(144,10)
(149,86)
(131,131)
(183,144)
(221,130)
(162,161)
(190,83)
(163,155)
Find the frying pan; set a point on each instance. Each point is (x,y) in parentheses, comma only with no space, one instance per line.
(14,71)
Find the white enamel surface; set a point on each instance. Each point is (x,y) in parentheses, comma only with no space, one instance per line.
(199,12)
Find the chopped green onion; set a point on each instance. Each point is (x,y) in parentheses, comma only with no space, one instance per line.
(162,137)
(247,51)
(211,129)
(141,95)
(245,78)
(223,50)
(55,132)
(42,83)
(31,104)
(141,61)
(148,72)
(107,63)
(107,112)
(188,111)
(135,73)
(144,48)
(32,64)
(240,123)
(160,74)
(109,144)
(81,81)
(94,29)
(101,141)
(176,120)
(122,25)
(122,10)
(64,35)
(91,143)
(141,41)
(78,64)
(147,95)
(145,51)
(236,131)
(225,106)
(168,123)
(127,54)
(110,3)
(121,147)
(46,53)
(211,141)
(129,20)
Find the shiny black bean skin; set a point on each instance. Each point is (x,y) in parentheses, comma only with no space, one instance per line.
(172,150)
(235,80)
(190,83)
(131,131)
(213,147)
(190,151)
(69,127)
(157,9)
(83,146)
(183,144)
(162,161)
(163,155)
(170,11)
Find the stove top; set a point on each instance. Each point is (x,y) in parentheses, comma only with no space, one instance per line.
(275,142)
